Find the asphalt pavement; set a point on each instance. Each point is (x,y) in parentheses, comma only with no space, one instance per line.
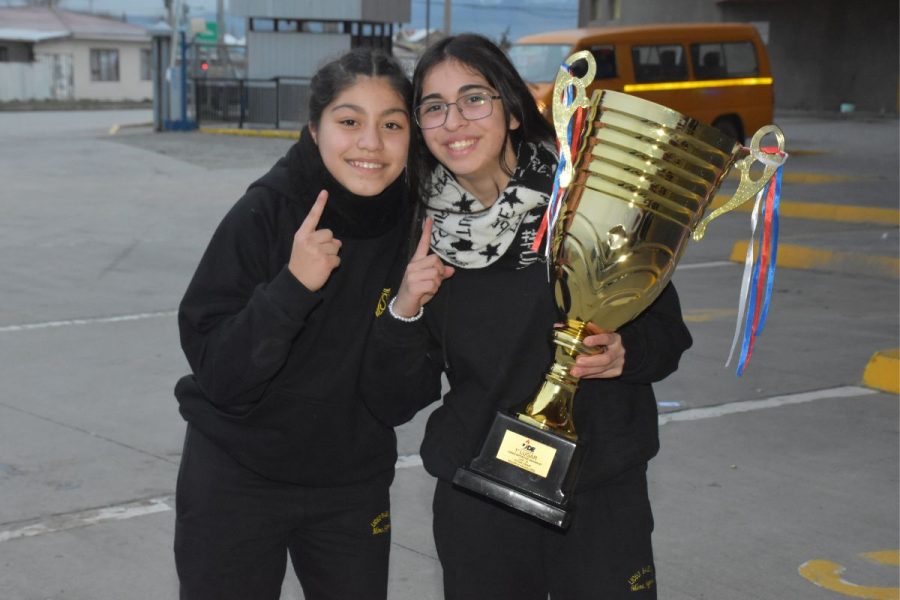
(780,484)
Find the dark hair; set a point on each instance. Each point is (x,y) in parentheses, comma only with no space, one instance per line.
(339,74)
(482,56)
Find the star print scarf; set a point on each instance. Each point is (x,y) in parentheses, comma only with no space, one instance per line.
(470,236)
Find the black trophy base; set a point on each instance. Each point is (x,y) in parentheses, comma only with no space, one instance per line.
(525,467)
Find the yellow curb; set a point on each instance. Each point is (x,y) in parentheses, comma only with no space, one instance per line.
(883,373)
(290,134)
(845,213)
(804,257)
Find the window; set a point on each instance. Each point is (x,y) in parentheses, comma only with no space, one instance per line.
(726,60)
(605,57)
(146,61)
(104,65)
(4,54)
(539,63)
(658,63)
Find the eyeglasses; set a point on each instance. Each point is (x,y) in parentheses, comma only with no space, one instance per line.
(430,115)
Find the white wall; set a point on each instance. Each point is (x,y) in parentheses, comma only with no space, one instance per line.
(129,87)
(384,11)
(25,81)
(291,54)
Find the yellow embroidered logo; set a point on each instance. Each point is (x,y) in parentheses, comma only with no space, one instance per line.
(382,301)
(381,523)
(642,579)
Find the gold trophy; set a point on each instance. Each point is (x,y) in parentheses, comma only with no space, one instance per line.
(636,190)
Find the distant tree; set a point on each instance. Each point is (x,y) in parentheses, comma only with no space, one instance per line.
(43,3)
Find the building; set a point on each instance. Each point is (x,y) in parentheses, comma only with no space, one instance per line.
(293,38)
(824,53)
(47,53)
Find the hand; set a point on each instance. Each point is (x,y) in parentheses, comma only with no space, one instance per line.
(424,276)
(314,254)
(604,365)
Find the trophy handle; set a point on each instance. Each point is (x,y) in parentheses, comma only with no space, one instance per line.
(749,187)
(562,112)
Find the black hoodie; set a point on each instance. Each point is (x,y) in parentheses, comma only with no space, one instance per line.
(275,366)
(488,330)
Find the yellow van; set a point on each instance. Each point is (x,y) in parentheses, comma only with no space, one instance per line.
(717,73)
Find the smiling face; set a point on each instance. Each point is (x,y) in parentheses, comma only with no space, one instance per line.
(471,150)
(363,136)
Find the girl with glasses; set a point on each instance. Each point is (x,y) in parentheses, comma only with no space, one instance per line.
(281,458)
(476,305)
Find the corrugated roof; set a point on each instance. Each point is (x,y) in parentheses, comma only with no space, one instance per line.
(64,23)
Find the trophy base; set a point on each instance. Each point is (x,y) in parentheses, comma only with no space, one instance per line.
(526,468)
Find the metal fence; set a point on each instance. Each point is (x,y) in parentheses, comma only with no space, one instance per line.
(279,103)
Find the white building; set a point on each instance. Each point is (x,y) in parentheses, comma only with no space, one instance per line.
(51,53)
(295,37)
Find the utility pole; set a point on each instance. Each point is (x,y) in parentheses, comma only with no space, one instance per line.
(447,17)
(220,21)
(427,22)
(220,32)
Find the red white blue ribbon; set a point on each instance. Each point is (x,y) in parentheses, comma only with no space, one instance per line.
(574,132)
(758,279)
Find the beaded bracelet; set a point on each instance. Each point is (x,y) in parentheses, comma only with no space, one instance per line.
(415,317)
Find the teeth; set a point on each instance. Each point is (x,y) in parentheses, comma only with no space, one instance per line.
(366,165)
(460,145)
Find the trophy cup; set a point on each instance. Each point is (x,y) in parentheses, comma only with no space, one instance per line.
(633,190)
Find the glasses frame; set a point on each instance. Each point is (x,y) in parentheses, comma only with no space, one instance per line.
(446,110)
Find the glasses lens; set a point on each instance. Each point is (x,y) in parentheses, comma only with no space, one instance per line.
(475,106)
(431,114)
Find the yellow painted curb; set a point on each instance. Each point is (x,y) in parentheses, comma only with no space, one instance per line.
(883,371)
(845,213)
(289,134)
(804,257)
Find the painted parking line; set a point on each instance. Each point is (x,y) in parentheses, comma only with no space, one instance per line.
(91,516)
(817,211)
(732,408)
(704,315)
(159,504)
(793,256)
(827,574)
(87,321)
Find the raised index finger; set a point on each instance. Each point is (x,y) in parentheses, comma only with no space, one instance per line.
(315,213)
(425,240)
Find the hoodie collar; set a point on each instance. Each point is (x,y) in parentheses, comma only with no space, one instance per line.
(300,175)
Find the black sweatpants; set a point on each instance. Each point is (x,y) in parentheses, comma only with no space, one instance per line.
(491,552)
(234,530)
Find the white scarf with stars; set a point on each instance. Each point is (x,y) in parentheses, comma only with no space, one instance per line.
(467,235)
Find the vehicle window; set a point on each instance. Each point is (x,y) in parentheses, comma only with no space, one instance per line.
(538,63)
(725,60)
(605,57)
(659,63)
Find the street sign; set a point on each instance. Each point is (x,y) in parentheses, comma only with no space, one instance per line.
(209,35)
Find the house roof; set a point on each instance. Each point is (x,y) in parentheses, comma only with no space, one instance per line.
(37,24)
